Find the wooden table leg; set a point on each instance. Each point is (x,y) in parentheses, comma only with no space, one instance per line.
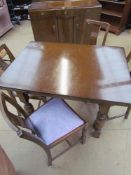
(100,120)
(127,112)
(24,98)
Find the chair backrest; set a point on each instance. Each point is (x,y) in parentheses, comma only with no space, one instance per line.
(16,122)
(6,57)
(4,52)
(91,30)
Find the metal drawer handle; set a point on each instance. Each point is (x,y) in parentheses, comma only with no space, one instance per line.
(65,12)
(54,28)
(77,26)
(42,13)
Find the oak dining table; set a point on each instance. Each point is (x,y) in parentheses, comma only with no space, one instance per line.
(96,74)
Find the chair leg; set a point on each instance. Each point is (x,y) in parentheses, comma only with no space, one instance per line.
(49,157)
(127,113)
(83,138)
(49,162)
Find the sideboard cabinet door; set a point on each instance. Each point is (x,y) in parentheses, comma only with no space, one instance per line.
(78,24)
(44,27)
(79,29)
(66,26)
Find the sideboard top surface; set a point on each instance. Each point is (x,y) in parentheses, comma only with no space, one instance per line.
(62,5)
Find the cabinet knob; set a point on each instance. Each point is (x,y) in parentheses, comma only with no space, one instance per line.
(54,28)
(42,13)
(65,12)
(77,26)
(87,11)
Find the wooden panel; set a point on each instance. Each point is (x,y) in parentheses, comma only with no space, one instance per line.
(44,27)
(78,28)
(66,28)
(79,24)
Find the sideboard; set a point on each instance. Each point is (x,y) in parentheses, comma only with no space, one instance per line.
(62,21)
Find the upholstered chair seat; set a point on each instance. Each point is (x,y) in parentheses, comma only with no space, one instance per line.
(54,120)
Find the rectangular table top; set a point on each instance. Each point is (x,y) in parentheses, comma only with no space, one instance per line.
(82,72)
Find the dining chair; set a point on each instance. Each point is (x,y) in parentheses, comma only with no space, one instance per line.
(52,123)
(91,30)
(6,58)
(126,114)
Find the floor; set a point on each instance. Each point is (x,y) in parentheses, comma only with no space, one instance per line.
(108,155)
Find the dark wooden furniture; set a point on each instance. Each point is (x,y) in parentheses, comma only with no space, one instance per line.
(49,125)
(62,21)
(5,22)
(91,30)
(116,13)
(72,71)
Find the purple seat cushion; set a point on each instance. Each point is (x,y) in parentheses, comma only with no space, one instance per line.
(54,120)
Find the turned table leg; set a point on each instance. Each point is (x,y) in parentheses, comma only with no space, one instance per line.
(100,120)
(24,98)
(127,112)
